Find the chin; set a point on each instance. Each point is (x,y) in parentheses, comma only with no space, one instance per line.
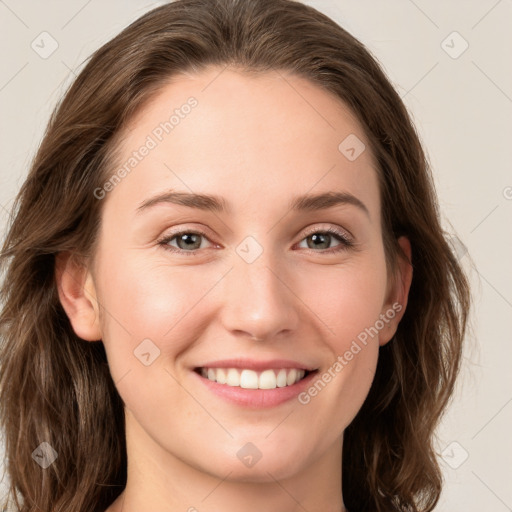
(249,465)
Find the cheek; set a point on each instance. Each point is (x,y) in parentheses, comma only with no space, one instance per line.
(151,317)
(348,300)
(150,302)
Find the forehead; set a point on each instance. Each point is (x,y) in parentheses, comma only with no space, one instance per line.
(246,137)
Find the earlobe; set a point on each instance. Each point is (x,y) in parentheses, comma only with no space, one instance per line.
(77,295)
(398,294)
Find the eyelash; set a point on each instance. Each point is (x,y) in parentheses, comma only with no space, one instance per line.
(345,242)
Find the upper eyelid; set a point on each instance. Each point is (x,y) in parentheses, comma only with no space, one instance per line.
(314,229)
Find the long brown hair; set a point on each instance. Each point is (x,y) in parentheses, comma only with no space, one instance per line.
(56,388)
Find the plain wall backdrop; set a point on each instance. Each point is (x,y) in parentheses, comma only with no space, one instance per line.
(450,62)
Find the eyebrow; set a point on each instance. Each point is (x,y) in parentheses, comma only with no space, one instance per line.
(307,202)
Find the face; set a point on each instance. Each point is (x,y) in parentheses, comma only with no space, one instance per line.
(260,290)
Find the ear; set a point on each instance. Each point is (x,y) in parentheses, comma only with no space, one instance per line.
(77,295)
(397,294)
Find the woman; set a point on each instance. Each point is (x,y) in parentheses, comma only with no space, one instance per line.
(175,334)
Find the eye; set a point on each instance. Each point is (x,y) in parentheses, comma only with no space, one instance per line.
(187,241)
(321,239)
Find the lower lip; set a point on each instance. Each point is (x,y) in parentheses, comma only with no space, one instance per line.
(256,398)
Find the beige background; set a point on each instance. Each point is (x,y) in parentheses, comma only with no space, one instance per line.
(462,105)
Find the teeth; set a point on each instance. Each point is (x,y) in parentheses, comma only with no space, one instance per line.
(221,376)
(281,378)
(233,377)
(249,379)
(266,380)
(291,377)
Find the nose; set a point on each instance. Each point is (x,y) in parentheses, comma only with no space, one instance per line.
(258,299)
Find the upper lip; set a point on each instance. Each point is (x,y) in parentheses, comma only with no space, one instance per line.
(252,364)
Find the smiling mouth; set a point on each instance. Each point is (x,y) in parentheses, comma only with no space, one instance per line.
(250,379)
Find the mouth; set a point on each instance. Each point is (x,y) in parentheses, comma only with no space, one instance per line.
(260,387)
(246,378)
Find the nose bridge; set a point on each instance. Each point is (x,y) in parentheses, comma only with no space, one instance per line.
(258,299)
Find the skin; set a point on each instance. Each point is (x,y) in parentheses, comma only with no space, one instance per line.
(256,141)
